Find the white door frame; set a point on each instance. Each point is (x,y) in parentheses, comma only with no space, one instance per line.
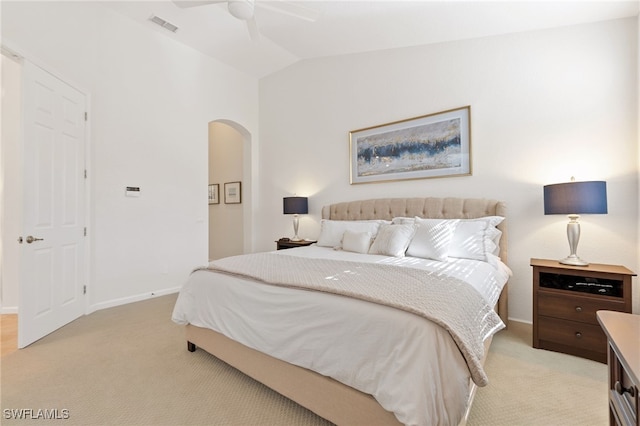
(11,48)
(10,194)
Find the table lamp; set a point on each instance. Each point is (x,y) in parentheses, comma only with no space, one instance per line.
(295,206)
(574,198)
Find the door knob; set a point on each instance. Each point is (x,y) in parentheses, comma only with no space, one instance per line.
(31,239)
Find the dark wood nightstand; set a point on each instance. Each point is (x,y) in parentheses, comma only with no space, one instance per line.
(623,334)
(565,301)
(287,244)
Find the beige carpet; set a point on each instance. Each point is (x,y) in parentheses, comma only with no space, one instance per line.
(129,366)
(537,387)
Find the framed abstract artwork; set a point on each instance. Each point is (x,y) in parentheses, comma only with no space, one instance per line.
(434,145)
(214,193)
(232,193)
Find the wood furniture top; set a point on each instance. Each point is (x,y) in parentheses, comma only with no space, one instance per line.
(623,332)
(592,267)
(286,244)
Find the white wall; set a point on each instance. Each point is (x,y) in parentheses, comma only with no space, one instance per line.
(545,106)
(151,100)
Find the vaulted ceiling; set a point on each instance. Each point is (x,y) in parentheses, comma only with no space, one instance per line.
(344,27)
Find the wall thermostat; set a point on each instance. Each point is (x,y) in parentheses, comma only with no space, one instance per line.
(132,191)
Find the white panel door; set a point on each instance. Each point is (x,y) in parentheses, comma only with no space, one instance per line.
(53,246)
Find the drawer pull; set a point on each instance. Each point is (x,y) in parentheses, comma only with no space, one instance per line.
(578,335)
(578,308)
(621,390)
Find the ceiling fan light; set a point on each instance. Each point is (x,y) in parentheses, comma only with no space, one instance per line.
(241,9)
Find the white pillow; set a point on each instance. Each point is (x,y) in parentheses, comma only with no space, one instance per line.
(492,221)
(403,220)
(358,242)
(493,247)
(492,233)
(392,240)
(432,239)
(331,231)
(474,238)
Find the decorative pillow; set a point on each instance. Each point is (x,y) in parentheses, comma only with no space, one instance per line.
(331,231)
(392,240)
(358,242)
(403,220)
(493,246)
(432,239)
(474,238)
(493,233)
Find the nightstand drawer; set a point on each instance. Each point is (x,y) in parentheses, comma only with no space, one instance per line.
(573,333)
(573,307)
(624,396)
(622,331)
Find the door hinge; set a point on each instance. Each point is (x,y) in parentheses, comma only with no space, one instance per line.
(85,231)
(85,173)
(86,116)
(84,289)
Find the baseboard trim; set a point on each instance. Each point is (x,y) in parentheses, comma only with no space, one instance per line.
(110,303)
(520,321)
(131,299)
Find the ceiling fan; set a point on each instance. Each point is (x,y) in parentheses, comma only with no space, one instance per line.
(244,10)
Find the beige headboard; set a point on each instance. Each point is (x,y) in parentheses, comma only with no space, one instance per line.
(435,208)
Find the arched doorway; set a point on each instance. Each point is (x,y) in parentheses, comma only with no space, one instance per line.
(229,163)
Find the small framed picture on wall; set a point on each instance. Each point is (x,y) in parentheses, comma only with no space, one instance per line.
(214,193)
(232,193)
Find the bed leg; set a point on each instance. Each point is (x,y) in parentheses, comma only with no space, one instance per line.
(191,347)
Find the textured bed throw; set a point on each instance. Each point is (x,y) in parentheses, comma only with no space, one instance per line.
(449,302)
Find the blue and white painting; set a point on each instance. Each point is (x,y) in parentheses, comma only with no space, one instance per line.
(433,146)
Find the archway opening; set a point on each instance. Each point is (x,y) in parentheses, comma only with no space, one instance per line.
(230,173)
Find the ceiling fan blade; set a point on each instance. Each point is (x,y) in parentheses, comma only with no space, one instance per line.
(195,3)
(253,29)
(292,9)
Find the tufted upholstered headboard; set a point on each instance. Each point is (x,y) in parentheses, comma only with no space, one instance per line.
(430,207)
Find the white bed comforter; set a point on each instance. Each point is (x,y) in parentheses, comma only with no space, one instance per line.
(410,365)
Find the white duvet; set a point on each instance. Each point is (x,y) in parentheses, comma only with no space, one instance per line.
(409,364)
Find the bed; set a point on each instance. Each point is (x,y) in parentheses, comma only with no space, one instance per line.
(348,357)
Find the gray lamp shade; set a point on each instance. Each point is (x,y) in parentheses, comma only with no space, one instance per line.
(576,198)
(295,205)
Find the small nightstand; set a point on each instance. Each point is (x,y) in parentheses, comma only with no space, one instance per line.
(287,244)
(565,301)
